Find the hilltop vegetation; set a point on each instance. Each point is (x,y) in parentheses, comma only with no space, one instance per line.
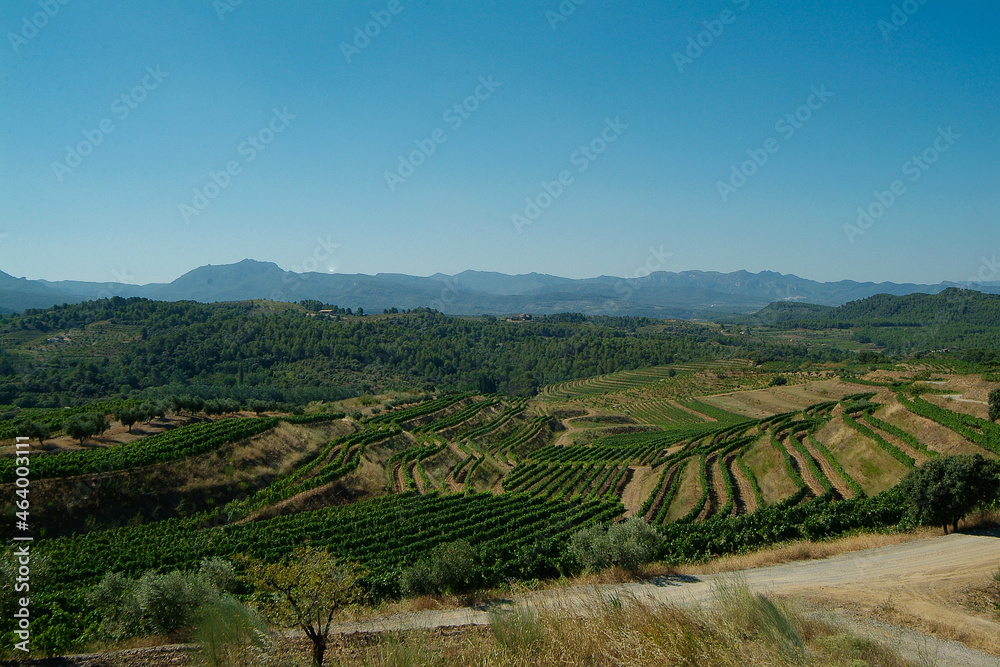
(120,347)
(953,318)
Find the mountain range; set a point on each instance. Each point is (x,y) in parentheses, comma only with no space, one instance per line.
(685,295)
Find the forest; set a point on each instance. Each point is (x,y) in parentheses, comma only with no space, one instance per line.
(137,348)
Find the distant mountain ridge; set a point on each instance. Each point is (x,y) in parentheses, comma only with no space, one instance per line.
(685,295)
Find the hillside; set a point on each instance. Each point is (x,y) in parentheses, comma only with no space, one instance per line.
(953,318)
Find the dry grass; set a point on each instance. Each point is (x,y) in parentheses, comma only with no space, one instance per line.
(773,400)
(935,436)
(769,467)
(738,628)
(638,489)
(689,491)
(870,466)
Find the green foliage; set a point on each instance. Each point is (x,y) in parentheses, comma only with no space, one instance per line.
(630,545)
(128,416)
(944,490)
(159,603)
(169,602)
(36,431)
(85,425)
(994,404)
(452,567)
(304,590)
(241,349)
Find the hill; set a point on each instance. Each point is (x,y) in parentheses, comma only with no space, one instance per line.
(951,319)
(664,294)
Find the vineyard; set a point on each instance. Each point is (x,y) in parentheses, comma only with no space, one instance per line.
(495,472)
(517,537)
(172,445)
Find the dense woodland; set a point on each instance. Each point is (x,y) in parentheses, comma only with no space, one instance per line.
(278,352)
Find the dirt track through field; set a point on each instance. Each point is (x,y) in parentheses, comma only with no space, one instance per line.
(923,579)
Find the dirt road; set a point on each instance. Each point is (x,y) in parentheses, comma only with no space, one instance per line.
(923,580)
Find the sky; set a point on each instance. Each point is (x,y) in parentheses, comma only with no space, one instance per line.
(856,139)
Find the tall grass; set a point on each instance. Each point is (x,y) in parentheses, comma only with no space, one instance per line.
(736,629)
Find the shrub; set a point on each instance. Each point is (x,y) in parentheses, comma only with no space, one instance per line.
(114,599)
(170,602)
(630,545)
(219,573)
(450,568)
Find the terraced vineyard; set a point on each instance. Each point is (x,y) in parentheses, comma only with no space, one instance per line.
(636,378)
(711,479)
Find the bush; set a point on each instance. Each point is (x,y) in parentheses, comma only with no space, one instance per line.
(170,602)
(778,380)
(85,425)
(114,599)
(994,402)
(450,568)
(160,603)
(219,573)
(630,545)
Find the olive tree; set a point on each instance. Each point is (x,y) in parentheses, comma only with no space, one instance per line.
(304,590)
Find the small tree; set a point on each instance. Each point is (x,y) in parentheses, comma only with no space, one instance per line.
(995,404)
(79,427)
(304,590)
(946,489)
(36,431)
(128,417)
(170,602)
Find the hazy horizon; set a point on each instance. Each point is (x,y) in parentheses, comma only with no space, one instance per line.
(121,279)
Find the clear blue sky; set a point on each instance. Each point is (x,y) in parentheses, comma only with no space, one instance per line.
(317,195)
